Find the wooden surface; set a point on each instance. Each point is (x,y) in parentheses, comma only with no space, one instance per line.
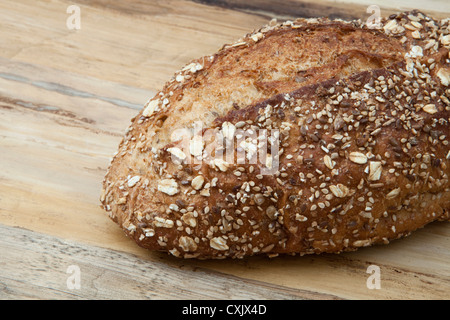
(66,98)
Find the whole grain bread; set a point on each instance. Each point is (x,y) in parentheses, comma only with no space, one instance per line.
(338,136)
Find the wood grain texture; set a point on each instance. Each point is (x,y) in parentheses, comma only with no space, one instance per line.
(341,9)
(66,99)
(39,264)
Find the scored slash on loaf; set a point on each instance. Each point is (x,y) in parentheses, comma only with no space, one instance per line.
(339,139)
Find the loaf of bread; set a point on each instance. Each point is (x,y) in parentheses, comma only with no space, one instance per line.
(308,136)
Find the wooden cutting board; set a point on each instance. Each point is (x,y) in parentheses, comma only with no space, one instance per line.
(66,99)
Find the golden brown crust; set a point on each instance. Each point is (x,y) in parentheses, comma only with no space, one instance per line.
(359,116)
